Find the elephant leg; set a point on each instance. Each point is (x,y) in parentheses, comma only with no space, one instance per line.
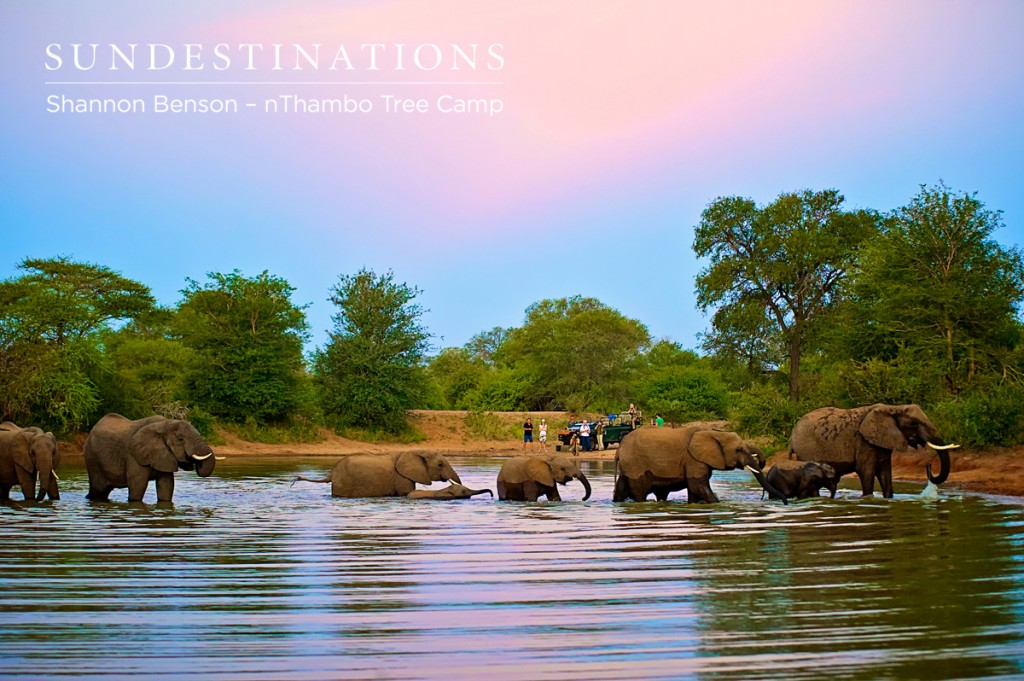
(164,487)
(639,489)
(621,491)
(867,481)
(699,491)
(137,485)
(552,494)
(5,492)
(885,479)
(660,493)
(28,484)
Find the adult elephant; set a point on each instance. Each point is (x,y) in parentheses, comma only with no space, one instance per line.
(386,475)
(449,493)
(802,479)
(120,453)
(527,478)
(25,455)
(664,460)
(862,440)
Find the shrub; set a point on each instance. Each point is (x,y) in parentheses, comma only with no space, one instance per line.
(994,416)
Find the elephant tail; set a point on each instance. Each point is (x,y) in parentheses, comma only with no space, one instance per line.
(327,479)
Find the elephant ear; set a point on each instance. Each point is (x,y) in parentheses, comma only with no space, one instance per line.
(148,448)
(706,448)
(21,452)
(539,471)
(879,428)
(412,466)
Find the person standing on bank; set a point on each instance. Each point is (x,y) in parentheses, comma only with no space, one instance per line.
(599,432)
(528,433)
(543,434)
(585,435)
(658,421)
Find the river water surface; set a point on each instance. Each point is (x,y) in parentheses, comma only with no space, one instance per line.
(245,577)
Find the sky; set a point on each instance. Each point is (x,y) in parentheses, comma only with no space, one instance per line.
(619,122)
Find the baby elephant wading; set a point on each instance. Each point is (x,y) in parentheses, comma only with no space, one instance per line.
(124,453)
(802,479)
(386,475)
(527,478)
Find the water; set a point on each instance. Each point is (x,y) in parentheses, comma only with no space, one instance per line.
(248,578)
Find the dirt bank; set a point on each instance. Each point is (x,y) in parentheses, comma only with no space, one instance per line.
(997,471)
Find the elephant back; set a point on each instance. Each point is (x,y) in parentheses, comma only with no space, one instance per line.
(658,451)
(827,434)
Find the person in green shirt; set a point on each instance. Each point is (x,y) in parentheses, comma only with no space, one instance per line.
(658,421)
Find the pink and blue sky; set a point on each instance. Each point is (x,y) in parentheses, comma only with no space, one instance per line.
(621,121)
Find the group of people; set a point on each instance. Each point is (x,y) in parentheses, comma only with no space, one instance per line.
(584,430)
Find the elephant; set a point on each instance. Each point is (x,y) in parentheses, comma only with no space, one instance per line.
(527,478)
(664,460)
(862,440)
(452,491)
(25,454)
(386,475)
(802,479)
(120,452)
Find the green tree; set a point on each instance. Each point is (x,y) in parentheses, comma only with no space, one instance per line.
(51,318)
(247,336)
(370,371)
(936,284)
(147,368)
(679,385)
(576,353)
(786,259)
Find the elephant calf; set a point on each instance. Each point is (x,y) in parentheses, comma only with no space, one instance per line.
(386,475)
(527,478)
(452,491)
(801,479)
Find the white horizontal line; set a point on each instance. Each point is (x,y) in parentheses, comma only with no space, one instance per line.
(274,82)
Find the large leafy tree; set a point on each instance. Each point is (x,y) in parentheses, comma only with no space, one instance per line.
(247,336)
(371,370)
(574,353)
(775,270)
(51,317)
(936,286)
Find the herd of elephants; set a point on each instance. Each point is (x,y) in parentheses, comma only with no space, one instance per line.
(825,445)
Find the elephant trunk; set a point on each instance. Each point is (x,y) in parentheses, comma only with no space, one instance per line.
(47,478)
(205,464)
(768,487)
(481,491)
(450,474)
(586,486)
(943,452)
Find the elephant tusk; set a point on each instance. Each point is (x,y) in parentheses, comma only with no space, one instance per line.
(934,446)
(202,458)
(55,475)
(751,469)
(219,458)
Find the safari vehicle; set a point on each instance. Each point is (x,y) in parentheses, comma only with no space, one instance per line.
(615,428)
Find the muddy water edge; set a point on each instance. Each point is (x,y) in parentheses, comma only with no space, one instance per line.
(248,577)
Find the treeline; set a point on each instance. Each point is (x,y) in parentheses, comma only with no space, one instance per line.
(811,304)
